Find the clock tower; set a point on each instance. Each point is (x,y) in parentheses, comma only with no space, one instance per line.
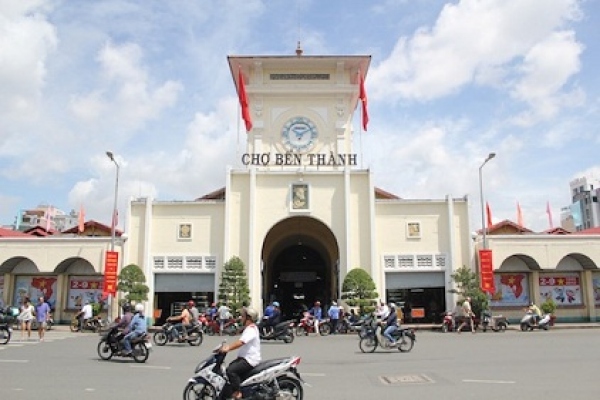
(301,109)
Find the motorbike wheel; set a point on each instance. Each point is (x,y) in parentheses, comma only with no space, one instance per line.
(290,337)
(444,328)
(74,325)
(405,344)
(160,338)
(140,352)
(211,331)
(4,335)
(362,332)
(524,327)
(301,331)
(289,388)
(95,326)
(104,350)
(49,325)
(367,344)
(196,339)
(501,327)
(325,329)
(199,391)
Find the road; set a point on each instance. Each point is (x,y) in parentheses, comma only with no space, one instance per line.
(556,364)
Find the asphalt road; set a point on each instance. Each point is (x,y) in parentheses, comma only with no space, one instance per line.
(559,364)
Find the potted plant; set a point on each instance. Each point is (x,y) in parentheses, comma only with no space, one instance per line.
(548,307)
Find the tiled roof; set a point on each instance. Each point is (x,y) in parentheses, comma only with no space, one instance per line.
(91,224)
(590,231)
(12,233)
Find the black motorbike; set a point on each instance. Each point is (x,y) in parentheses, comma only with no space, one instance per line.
(5,332)
(111,345)
(282,331)
(169,334)
(94,324)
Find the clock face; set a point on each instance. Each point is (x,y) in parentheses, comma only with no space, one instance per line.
(299,134)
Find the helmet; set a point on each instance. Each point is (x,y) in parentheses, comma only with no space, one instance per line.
(392,305)
(139,308)
(126,308)
(191,303)
(250,313)
(333,303)
(275,304)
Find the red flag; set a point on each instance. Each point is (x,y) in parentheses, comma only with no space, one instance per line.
(519,215)
(244,101)
(362,95)
(549,212)
(489,215)
(48,218)
(81,219)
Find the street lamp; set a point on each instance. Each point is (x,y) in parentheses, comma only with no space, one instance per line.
(484,228)
(113,224)
(114,215)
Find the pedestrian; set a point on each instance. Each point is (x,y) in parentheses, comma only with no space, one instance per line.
(26,316)
(317,315)
(468,315)
(223,314)
(334,316)
(42,315)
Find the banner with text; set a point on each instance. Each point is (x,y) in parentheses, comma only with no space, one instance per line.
(111,266)
(486,270)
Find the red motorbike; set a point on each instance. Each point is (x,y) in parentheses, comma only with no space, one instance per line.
(307,325)
(230,328)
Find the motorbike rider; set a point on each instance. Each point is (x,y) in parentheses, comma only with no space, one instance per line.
(194,313)
(137,328)
(85,314)
(248,355)
(382,311)
(123,324)
(391,324)
(182,320)
(535,311)
(275,317)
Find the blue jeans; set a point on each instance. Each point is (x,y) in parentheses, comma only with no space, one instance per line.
(388,333)
(127,340)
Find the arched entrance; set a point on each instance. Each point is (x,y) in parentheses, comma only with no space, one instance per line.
(300,264)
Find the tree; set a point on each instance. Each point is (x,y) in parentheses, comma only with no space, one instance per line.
(467,283)
(358,289)
(132,282)
(233,289)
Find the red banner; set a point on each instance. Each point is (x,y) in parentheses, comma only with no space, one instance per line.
(111,266)
(487,271)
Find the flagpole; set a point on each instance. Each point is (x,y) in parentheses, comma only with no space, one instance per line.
(484,228)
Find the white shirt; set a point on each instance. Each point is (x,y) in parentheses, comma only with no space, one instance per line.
(27,313)
(251,348)
(223,311)
(384,312)
(87,311)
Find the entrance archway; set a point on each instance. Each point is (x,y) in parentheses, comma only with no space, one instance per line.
(300,265)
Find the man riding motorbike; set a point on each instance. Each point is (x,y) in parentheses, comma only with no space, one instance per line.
(535,312)
(137,328)
(85,314)
(391,324)
(183,320)
(123,324)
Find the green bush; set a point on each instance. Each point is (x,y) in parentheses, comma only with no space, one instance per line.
(548,306)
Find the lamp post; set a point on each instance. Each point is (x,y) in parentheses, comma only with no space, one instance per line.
(113,224)
(484,228)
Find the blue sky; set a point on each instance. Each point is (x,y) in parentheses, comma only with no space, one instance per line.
(449,83)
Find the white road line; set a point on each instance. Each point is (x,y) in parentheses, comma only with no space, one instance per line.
(486,381)
(311,374)
(14,361)
(149,366)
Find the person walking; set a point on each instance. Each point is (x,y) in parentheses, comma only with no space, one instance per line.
(26,316)
(334,316)
(42,315)
(468,315)
(224,314)
(317,314)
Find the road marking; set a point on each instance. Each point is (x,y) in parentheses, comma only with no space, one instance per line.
(149,366)
(486,381)
(14,361)
(90,389)
(311,374)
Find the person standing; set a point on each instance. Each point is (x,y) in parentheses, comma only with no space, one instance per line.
(468,315)
(223,314)
(317,313)
(248,355)
(42,315)
(334,316)
(26,316)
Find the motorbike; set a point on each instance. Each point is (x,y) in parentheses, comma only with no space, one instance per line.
(448,322)
(405,340)
(497,323)
(111,345)
(230,328)
(282,331)
(527,322)
(5,333)
(272,379)
(94,324)
(169,334)
(307,325)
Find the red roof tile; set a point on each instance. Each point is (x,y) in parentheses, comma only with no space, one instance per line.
(12,233)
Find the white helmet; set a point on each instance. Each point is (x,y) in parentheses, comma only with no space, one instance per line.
(251,313)
(139,308)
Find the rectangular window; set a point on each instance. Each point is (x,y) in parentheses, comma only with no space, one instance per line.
(175,262)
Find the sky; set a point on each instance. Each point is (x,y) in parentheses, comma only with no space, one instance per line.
(449,83)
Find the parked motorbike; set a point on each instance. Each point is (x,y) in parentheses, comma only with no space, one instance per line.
(497,323)
(230,328)
(307,325)
(405,340)
(528,323)
(94,324)
(49,324)
(271,379)
(448,322)
(169,334)
(282,331)
(111,345)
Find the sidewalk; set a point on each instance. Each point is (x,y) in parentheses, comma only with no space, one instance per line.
(559,325)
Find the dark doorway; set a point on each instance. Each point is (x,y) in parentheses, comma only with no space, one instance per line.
(298,277)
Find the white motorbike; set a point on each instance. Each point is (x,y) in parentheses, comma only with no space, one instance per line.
(528,323)
(271,379)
